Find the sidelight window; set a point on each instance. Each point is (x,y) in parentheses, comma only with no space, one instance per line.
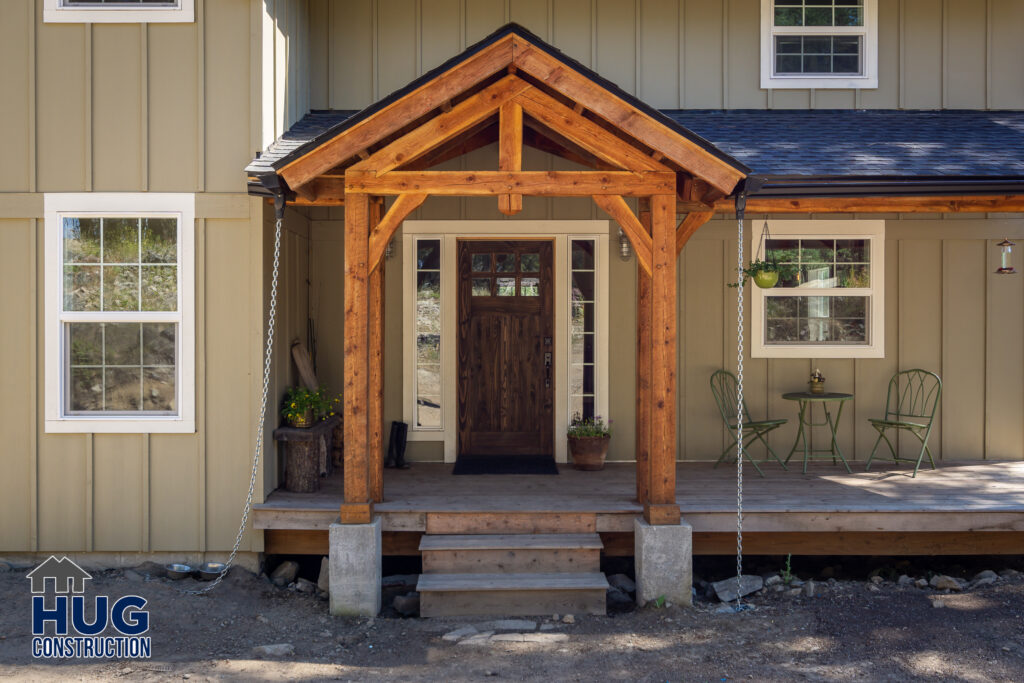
(428,333)
(582,328)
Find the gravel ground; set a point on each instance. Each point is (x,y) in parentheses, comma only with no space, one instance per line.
(850,629)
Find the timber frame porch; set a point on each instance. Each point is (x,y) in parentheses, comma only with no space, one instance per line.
(968,507)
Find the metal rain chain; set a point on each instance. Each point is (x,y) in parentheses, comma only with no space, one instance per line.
(741,201)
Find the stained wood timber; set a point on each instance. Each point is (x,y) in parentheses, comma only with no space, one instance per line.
(510,553)
(296,542)
(511,594)
(490,183)
(616,207)
(422,100)
(376,346)
(510,152)
(443,127)
(618,112)
(689,225)
(385,228)
(585,133)
(936,204)
(861,543)
(643,369)
(511,523)
(661,505)
(357,508)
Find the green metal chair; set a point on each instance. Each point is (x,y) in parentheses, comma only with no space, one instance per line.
(723,386)
(910,406)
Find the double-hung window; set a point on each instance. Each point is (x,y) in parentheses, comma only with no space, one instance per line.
(829,300)
(819,44)
(118,11)
(119,297)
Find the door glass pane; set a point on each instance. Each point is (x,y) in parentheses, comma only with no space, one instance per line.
(506,286)
(428,330)
(481,263)
(529,286)
(504,263)
(481,286)
(529,263)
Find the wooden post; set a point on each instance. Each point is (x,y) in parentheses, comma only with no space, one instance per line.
(643,369)
(376,339)
(357,508)
(510,152)
(661,507)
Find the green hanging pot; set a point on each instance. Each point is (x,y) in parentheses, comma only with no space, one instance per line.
(766,279)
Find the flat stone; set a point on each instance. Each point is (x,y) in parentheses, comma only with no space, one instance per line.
(323,580)
(399,580)
(986,581)
(507,625)
(873,588)
(547,627)
(479,639)
(1009,573)
(794,592)
(538,638)
(942,582)
(904,580)
(729,589)
(285,573)
(460,633)
(921,583)
(619,601)
(773,580)
(622,582)
(987,574)
(276,650)
(305,586)
(407,605)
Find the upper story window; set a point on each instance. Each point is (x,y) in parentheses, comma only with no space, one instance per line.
(119,321)
(829,301)
(819,44)
(118,11)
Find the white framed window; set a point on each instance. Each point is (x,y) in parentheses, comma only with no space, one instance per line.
(819,44)
(829,301)
(427,399)
(118,11)
(120,328)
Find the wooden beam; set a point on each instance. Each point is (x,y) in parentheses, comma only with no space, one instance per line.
(443,127)
(643,370)
(689,225)
(626,117)
(491,183)
(585,133)
(661,507)
(861,543)
(357,508)
(393,117)
(616,207)
(510,152)
(383,231)
(375,411)
(937,204)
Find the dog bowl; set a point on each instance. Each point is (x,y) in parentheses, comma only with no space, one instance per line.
(210,570)
(178,571)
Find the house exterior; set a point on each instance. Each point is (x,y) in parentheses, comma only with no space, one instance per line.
(878,151)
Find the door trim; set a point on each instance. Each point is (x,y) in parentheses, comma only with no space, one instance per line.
(450,232)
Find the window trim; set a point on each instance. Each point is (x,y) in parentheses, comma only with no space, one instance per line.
(57,12)
(872,230)
(450,232)
(56,207)
(869,79)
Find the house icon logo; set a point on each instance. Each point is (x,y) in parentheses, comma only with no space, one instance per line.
(67,576)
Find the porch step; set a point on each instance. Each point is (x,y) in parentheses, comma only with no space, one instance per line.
(519,594)
(511,553)
(511,522)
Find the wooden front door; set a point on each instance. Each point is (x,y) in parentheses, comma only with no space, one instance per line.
(506,348)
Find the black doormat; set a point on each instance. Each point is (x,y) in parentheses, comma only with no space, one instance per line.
(505,464)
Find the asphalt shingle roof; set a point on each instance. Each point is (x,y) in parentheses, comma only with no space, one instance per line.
(811,142)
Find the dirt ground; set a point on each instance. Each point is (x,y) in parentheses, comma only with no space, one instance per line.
(851,629)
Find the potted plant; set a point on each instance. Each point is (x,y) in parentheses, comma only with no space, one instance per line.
(588,441)
(765,274)
(304,407)
(817,382)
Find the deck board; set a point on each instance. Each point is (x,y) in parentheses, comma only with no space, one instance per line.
(960,496)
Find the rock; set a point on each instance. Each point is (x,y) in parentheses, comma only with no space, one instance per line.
(408,604)
(873,588)
(778,588)
(285,573)
(938,603)
(904,580)
(877,580)
(623,583)
(479,639)
(942,582)
(619,601)
(921,583)
(398,580)
(277,650)
(507,625)
(541,638)
(987,574)
(152,569)
(796,582)
(323,581)
(809,588)
(793,592)
(1009,573)
(305,586)
(547,627)
(568,619)
(133,576)
(986,581)
(773,580)
(460,633)
(728,590)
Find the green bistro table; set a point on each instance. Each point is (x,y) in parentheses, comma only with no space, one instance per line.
(805,423)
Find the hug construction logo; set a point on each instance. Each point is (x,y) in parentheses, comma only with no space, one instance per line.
(73,634)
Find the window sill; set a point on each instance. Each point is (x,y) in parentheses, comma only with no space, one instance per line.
(818,83)
(852,352)
(119,15)
(120,425)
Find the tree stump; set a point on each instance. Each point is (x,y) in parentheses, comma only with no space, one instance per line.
(302,466)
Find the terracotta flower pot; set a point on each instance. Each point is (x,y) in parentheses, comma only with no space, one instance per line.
(817,387)
(589,452)
(766,279)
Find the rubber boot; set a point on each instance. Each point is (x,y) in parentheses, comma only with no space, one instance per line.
(403,435)
(391,459)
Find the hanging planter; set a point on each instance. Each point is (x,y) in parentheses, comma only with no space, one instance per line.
(764,274)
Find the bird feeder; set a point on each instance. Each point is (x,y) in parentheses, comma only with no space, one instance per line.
(1006,262)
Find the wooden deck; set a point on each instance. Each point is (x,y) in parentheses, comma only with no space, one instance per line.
(962,508)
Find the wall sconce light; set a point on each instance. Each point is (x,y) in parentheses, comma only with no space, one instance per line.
(625,248)
(1006,260)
